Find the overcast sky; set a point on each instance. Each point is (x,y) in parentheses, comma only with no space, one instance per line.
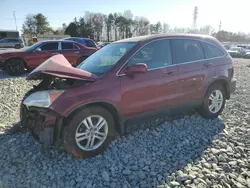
(177,13)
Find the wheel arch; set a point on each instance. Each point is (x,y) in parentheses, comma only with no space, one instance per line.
(223,81)
(118,118)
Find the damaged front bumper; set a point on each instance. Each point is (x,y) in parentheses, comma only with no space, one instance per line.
(44,124)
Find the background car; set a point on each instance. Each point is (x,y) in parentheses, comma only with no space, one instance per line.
(236,51)
(15,62)
(241,45)
(227,46)
(85,41)
(247,49)
(247,55)
(11,43)
(102,44)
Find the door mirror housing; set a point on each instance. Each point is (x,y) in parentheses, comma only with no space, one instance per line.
(38,50)
(136,69)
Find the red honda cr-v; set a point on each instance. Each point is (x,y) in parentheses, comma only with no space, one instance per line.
(128,81)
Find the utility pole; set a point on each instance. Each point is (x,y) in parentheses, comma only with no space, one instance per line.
(219,38)
(220,26)
(14,14)
(195,15)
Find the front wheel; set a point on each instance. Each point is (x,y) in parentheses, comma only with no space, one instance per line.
(89,132)
(214,102)
(15,67)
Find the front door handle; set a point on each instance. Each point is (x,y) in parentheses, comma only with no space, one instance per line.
(55,53)
(170,71)
(76,52)
(207,64)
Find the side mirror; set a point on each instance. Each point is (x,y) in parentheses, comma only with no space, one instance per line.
(136,69)
(38,50)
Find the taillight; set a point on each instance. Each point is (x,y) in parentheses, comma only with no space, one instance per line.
(231,73)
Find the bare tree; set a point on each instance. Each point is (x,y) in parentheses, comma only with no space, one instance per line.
(158,27)
(128,14)
(29,26)
(206,30)
(109,25)
(165,28)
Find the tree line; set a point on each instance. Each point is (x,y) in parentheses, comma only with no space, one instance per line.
(116,26)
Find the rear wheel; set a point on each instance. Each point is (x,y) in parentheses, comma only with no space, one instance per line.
(214,101)
(15,67)
(89,132)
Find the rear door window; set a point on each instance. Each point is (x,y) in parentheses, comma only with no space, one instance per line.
(49,46)
(67,46)
(212,51)
(186,50)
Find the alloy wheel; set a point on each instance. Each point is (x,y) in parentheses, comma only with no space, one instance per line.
(215,101)
(91,132)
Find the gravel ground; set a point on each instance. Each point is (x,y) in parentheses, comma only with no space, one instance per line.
(185,152)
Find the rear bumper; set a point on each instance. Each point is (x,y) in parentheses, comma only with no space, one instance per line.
(232,85)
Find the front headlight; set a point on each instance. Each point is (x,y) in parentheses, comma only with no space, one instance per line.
(42,98)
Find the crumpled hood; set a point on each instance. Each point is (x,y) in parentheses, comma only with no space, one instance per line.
(59,66)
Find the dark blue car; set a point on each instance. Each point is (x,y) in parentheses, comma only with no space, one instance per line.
(85,41)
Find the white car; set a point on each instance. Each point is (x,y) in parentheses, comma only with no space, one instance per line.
(11,43)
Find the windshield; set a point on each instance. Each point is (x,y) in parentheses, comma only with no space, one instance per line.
(32,47)
(104,59)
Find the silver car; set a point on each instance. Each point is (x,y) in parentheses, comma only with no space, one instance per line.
(11,43)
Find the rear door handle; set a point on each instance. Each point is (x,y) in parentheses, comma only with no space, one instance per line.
(207,64)
(76,52)
(55,53)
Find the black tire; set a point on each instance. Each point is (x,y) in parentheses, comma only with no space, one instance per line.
(81,59)
(69,132)
(204,109)
(17,46)
(15,67)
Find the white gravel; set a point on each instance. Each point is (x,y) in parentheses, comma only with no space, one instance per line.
(185,152)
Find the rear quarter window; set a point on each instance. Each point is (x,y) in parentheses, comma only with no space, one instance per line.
(212,51)
(49,46)
(90,43)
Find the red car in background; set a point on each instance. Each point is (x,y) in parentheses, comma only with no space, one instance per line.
(15,62)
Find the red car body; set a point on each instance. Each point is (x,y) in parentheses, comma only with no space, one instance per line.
(31,57)
(138,91)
